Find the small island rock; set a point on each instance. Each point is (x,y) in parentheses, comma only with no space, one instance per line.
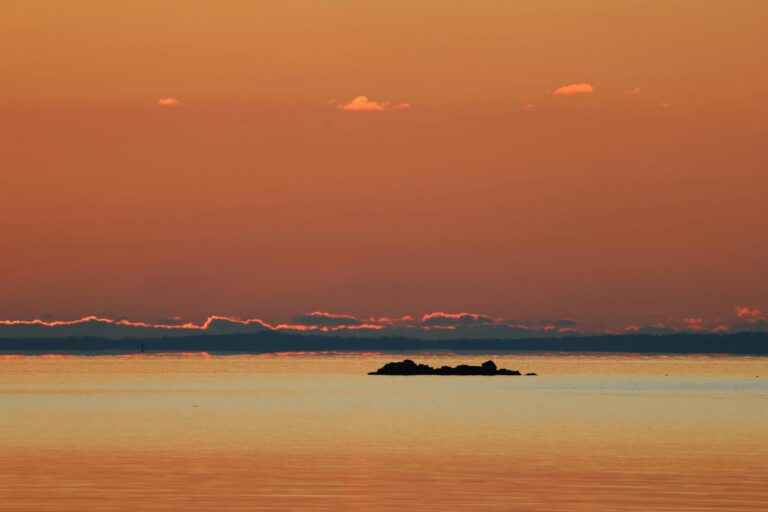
(409,367)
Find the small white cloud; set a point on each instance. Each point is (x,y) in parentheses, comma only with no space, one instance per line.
(567,90)
(363,104)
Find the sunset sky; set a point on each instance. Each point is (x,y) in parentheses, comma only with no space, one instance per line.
(600,161)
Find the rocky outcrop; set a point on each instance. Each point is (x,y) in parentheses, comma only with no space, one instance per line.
(408,367)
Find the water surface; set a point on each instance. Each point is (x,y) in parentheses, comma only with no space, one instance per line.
(314,432)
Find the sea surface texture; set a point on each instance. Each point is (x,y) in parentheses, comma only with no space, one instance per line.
(281,432)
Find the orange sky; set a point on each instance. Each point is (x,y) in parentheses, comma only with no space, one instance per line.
(469,180)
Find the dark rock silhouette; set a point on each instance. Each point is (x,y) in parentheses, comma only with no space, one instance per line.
(408,367)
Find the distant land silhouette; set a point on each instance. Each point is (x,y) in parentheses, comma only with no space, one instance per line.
(409,367)
(270,341)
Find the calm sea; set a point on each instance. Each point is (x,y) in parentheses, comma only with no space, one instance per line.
(314,432)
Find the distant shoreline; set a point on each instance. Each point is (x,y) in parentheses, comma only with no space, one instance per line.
(270,342)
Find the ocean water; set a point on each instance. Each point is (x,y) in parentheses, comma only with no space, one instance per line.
(314,432)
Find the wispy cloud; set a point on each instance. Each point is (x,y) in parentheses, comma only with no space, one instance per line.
(324,319)
(363,104)
(745,312)
(440,318)
(581,88)
(694,324)
(168,102)
(564,323)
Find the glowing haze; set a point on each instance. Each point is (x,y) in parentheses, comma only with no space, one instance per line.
(600,162)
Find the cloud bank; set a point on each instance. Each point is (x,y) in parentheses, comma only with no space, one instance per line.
(435,325)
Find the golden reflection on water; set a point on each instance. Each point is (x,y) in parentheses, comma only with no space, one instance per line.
(313,432)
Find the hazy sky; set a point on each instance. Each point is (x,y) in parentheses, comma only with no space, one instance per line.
(599,160)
